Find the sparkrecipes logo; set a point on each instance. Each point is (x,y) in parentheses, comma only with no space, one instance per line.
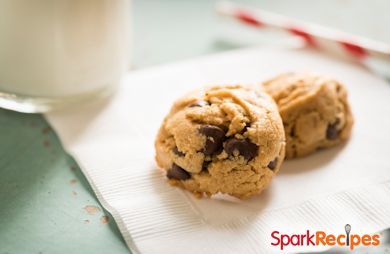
(321,238)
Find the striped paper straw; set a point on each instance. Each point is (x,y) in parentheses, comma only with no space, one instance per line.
(314,35)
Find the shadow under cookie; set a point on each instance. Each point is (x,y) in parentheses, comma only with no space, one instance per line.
(312,161)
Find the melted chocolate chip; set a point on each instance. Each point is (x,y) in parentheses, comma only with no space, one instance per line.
(176,151)
(178,173)
(199,104)
(244,147)
(331,132)
(272,164)
(215,137)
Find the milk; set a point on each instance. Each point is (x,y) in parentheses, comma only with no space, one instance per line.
(62,48)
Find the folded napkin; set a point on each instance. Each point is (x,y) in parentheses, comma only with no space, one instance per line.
(113,142)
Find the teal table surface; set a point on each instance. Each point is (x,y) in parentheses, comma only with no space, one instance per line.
(46,204)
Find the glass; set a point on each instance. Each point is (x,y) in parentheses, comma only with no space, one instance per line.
(59,52)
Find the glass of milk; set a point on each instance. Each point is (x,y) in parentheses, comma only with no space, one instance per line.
(60,52)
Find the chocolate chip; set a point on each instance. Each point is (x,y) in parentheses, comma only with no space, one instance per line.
(331,132)
(176,151)
(199,104)
(205,165)
(292,131)
(272,164)
(178,173)
(244,147)
(245,129)
(215,137)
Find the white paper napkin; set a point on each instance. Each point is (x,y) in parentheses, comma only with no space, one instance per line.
(113,141)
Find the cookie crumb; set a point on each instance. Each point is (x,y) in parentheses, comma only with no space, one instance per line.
(104,219)
(45,130)
(91,209)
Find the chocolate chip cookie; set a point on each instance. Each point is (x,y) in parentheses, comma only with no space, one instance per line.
(314,109)
(222,139)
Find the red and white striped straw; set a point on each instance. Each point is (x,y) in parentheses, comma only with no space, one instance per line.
(316,36)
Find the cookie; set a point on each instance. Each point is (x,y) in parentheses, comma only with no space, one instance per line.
(315,111)
(222,139)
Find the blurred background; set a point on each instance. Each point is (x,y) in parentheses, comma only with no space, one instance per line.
(175,29)
(46,205)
